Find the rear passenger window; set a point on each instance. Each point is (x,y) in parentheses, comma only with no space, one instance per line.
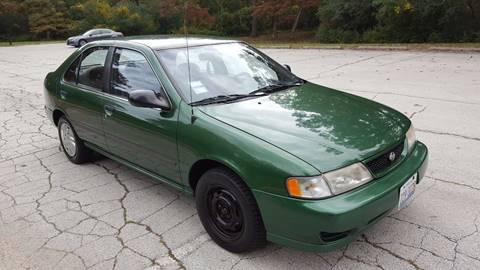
(131,71)
(71,74)
(92,68)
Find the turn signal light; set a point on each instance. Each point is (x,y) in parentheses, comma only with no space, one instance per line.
(293,187)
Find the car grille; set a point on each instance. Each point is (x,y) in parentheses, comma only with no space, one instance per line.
(382,162)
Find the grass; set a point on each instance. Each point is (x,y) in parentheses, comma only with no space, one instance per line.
(369,46)
(305,40)
(30,42)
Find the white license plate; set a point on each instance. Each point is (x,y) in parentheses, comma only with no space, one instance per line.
(406,192)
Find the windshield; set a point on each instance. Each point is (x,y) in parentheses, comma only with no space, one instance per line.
(89,32)
(222,70)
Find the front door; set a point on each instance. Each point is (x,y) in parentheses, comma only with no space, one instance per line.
(81,96)
(143,136)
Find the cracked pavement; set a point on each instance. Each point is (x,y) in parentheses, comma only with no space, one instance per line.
(103,215)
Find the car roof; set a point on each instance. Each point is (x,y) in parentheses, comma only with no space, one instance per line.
(169,42)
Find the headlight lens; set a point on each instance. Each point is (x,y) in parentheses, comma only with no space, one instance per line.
(347,178)
(411,138)
(308,187)
(329,184)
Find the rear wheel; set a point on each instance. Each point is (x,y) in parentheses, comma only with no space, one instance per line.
(72,145)
(229,212)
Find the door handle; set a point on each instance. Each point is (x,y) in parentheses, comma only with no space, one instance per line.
(109,110)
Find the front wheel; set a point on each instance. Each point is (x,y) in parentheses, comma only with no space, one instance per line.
(229,212)
(72,145)
(82,42)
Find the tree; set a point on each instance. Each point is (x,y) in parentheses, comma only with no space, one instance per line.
(427,20)
(272,10)
(91,14)
(131,18)
(47,18)
(12,20)
(198,16)
(345,20)
(302,5)
(254,31)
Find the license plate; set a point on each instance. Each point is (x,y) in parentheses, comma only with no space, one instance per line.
(406,192)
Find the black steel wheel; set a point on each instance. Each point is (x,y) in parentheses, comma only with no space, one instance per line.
(229,212)
(226,214)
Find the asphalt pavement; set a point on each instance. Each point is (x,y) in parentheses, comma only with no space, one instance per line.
(102,215)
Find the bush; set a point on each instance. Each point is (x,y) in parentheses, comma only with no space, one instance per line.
(327,35)
(398,20)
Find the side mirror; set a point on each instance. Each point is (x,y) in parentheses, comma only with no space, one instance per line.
(288,67)
(148,99)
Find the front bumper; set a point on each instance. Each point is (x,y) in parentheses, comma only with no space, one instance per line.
(71,42)
(339,220)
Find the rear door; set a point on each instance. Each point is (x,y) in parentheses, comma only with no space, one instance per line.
(81,94)
(143,136)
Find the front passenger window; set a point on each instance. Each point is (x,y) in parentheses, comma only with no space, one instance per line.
(131,71)
(92,68)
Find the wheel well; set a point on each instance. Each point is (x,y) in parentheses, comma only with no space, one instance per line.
(56,116)
(199,168)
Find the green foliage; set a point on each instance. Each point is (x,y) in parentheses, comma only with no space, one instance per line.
(235,22)
(399,20)
(427,20)
(12,20)
(343,21)
(47,18)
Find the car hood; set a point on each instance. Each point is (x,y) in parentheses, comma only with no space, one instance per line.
(326,128)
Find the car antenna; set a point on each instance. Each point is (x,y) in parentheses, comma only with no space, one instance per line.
(185,30)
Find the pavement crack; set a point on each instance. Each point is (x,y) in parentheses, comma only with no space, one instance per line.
(126,191)
(347,64)
(170,253)
(453,183)
(410,262)
(413,96)
(418,112)
(246,258)
(449,134)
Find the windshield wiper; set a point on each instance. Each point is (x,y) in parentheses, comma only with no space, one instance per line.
(223,99)
(276,87)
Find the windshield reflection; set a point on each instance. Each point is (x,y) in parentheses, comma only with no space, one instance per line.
(222,69)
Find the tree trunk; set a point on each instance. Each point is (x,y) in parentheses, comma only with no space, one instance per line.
(254,31)
(274,30)
(295,24)
(472,9)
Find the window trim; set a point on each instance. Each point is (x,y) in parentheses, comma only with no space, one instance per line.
(109,84)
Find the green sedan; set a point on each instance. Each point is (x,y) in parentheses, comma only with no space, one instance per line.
(266,154)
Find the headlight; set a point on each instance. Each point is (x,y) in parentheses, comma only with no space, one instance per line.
(308,187)
(329,184)
(347,178)
(411,138)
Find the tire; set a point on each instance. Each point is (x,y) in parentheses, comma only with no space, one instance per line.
(229,212)
(76,152)
(82,42)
